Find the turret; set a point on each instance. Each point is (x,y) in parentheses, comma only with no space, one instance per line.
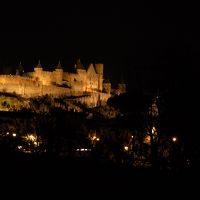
(38,71)
(59,74)
(38,67)
(20,70)
(106,86)
(79,65)
(99,71)
(99,68)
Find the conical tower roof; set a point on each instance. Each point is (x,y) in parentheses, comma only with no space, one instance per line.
(79,65)
(39,65)
(20,69)
(59,66)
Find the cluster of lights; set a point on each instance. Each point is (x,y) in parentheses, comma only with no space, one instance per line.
(82,149)
(31,138)
(94,138)
(14,134)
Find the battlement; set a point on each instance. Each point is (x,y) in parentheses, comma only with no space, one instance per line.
(58,83)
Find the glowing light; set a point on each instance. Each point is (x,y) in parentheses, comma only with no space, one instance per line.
(147,139)
(31,137)
(97,139)
(83,149)
(19,147)
(7,133)
(94,137)
(35,143)
(174,139)
(153,130)
(126,148)
(14,134)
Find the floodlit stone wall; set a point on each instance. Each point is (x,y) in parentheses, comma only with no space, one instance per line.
(87,85)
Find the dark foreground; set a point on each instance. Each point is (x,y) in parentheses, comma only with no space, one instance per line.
(88,178)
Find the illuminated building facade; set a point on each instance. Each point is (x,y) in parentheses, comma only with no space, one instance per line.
(87,84)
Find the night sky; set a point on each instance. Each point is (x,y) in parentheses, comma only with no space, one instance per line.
(151,44)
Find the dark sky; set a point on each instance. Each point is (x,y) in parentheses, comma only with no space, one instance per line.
(150,43)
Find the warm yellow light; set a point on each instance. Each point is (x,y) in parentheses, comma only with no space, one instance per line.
(7,133)
(126,148)
(174,139)
(147,139)
(35,143)
(94,137)
(153,130)
(31,137)
(19,147)
(97,139)
(14,134)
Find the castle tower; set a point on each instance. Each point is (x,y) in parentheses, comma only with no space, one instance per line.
(20,70)
(99,71)
(38,71)
(79,65)
(107,86)
(38,66)
(81,75)
(59,74)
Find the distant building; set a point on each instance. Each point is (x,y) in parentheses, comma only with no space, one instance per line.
(86,84)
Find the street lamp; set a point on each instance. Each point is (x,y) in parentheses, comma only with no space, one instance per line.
(174,139)
(126,148)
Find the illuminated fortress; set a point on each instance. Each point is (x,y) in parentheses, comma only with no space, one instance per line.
(86,84)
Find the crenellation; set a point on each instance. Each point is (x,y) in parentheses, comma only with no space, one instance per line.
(59,83)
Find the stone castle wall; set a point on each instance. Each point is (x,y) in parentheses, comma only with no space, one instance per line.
(86,85)
(82,85)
